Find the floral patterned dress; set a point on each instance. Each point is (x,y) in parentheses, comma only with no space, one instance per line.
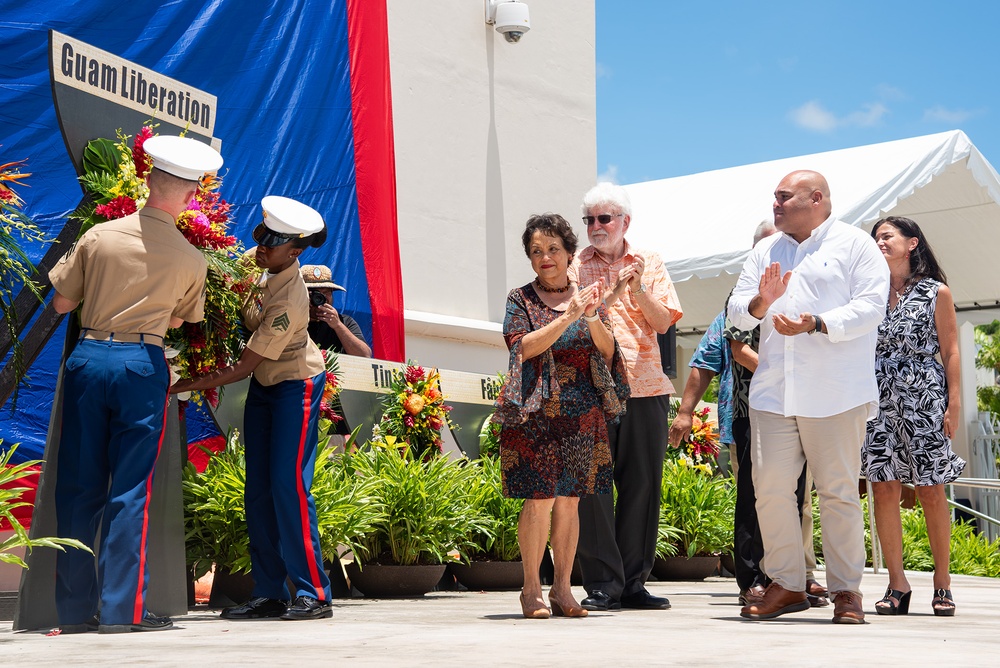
(906,441)
(554,407)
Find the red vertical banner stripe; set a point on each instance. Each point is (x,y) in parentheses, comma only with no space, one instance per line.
(375,171)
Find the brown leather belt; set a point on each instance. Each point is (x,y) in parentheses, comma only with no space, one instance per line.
(122,337)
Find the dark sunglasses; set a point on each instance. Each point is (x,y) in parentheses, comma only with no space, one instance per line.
(603,219)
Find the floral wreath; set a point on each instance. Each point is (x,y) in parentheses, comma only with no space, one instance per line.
(414,412)
(15,266)
(701,450)
(115,180)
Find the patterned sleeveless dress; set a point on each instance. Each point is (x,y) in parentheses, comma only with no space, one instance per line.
(554,407)
(906,442)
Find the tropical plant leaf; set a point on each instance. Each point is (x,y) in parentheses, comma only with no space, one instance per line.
(101,155)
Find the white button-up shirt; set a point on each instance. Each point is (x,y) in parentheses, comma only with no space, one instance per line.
(839,274)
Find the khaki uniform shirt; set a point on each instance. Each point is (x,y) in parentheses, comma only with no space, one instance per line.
(133,274)
(635,336)
(279,322)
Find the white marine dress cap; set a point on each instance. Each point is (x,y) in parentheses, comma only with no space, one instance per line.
(185,158)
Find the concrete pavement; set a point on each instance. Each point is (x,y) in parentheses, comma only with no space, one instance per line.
(474,628)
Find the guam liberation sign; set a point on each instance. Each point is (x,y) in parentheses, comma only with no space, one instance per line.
(95,94)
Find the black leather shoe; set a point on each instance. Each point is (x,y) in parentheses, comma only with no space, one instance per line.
(600,602)
(307,607)
(148,623)
(91,624)
(256,608)
(643,600)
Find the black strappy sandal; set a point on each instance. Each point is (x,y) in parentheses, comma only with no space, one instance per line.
(942,597)
(890,606)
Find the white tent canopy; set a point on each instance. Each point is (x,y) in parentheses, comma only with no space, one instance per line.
(703,224)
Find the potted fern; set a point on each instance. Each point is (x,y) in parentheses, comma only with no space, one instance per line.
(493,554)
(696,521)
(426,517)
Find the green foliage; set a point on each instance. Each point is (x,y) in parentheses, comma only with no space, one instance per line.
(711,395)
(496,537)
(101,155)
(215,514)
(489,438)
(971,552)
(215,521)
(10,499)
(988,357)
(427,505)
(700,507)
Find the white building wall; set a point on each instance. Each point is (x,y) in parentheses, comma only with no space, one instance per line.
(486,134)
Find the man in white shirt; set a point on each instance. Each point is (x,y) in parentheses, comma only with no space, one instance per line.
(818,292)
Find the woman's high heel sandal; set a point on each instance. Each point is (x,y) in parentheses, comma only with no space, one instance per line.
(942,603)
(566,611)
(889,606)
(533,611)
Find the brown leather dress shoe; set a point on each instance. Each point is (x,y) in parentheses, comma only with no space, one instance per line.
(754,594)
(816,594)
(776,601)
(847,608)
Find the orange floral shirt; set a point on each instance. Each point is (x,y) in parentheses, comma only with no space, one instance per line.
(635,336)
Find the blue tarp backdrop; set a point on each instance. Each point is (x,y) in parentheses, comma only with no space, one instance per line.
(281,73)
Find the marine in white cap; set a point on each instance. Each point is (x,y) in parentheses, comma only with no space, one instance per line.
(280,421)
(135,277)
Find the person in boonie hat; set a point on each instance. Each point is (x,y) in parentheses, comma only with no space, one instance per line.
(133,277)
(280,421)
(328,327)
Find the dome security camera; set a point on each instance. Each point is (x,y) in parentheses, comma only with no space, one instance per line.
(510,17)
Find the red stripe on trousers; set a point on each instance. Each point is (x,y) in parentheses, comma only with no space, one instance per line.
(139,611)
(301,488)
(375,172)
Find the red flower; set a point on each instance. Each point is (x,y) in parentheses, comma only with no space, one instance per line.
(414,374)
(119,207)
(139,154)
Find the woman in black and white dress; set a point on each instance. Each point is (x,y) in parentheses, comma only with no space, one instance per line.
(910,441)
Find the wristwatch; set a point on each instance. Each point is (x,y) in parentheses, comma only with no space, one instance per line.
(642,288)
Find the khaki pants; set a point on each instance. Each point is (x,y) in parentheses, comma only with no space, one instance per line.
(832,447)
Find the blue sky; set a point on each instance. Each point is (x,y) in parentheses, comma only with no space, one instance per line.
(685,87)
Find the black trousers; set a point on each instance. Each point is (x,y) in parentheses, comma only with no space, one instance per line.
(617,544)
(749,548)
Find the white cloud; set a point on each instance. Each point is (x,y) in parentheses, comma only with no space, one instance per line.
(870,115)
(603,71)
(887,92)
(939,114)
(814,116)
(609,174)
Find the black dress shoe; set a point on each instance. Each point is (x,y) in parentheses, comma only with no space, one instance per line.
(600,601)
(148,623)
(643,600)
(91,624)
(256,608)
(307,607)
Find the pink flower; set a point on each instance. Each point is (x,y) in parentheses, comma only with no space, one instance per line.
(408,421)
(414,374)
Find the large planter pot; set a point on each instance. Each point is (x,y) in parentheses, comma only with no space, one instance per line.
(229,589)
(685,568)
(489,575)
(378,581)
(727,562)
